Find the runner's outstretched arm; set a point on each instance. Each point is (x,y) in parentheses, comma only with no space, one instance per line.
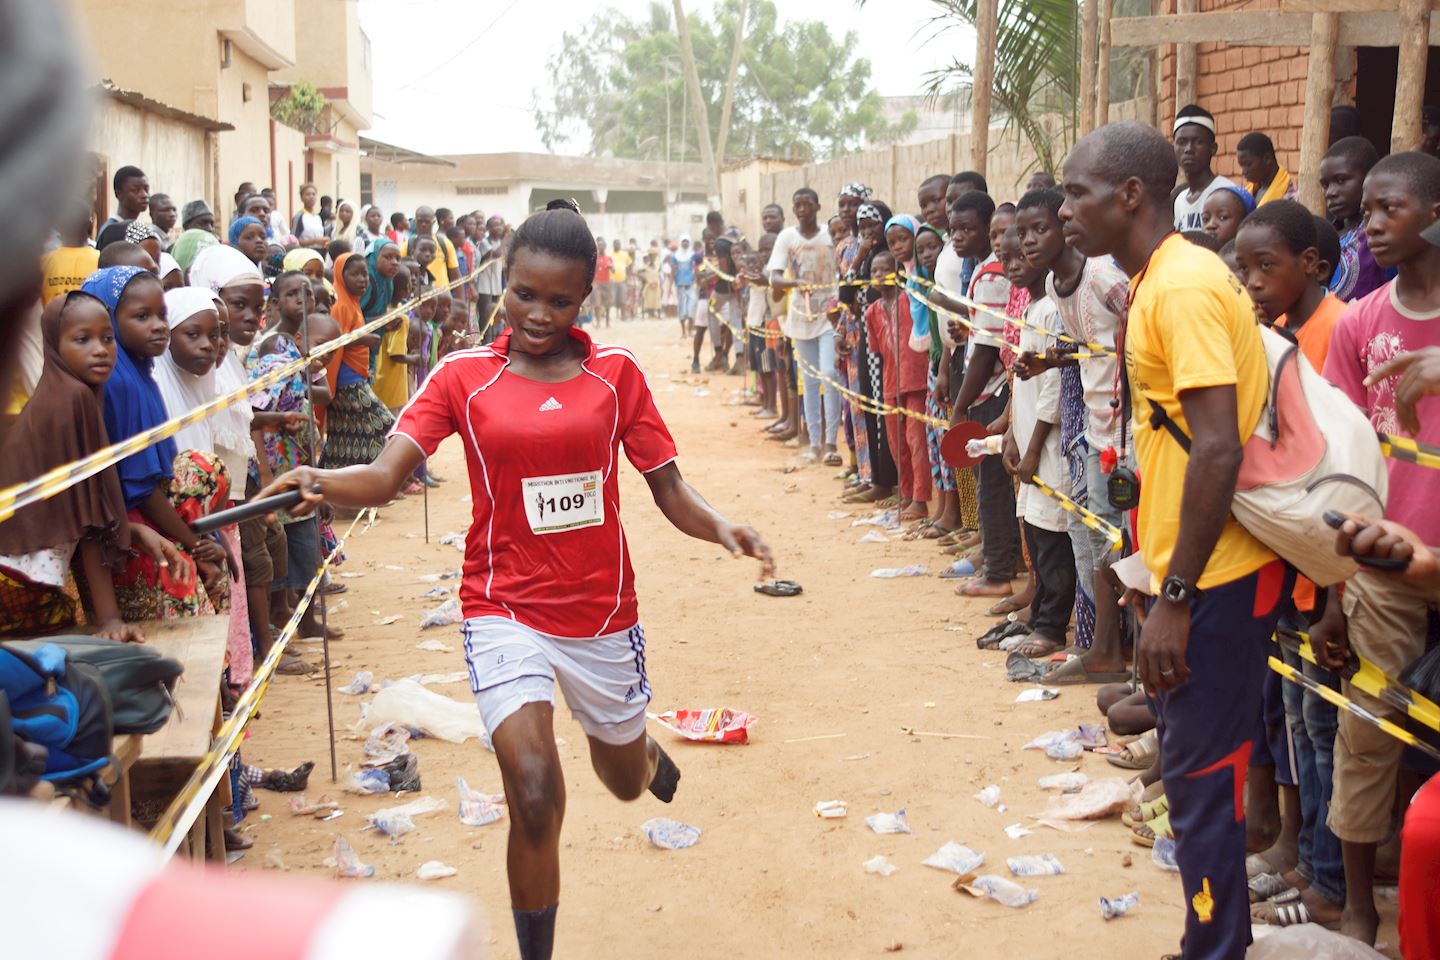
(366,485)
(691,515)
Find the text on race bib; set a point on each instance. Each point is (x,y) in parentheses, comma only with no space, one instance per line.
(564,502)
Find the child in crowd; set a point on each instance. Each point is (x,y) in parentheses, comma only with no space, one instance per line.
(248,236)
(757,313)
(650,290)
(1387,619)
(904,366)
(85,525)
(392,377)
(1031,453)
(284,439)
(1342,176)
(1225,208)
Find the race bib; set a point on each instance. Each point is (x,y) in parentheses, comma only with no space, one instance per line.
(566,502)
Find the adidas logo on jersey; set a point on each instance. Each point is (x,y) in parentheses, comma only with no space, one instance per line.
(551,404)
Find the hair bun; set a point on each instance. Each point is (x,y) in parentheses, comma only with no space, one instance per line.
(564,203)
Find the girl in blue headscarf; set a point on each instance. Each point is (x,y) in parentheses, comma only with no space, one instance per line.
(248,236)
(382,263)
(148,478)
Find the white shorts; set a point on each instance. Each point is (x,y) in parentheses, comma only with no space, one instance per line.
(603,678)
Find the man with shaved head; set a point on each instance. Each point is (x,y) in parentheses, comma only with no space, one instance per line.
(446,265)
(1194,382)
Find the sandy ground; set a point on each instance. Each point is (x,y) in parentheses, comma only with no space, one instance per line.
(854,659)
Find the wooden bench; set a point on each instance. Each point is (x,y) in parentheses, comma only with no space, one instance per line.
(156,765)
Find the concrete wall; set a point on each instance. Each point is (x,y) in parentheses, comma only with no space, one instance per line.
(894,174)
(244,151)
(333,53)
(172,153)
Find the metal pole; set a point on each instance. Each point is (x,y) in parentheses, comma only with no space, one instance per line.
(320,589)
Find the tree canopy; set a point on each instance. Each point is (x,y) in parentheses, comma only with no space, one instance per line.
(800,92)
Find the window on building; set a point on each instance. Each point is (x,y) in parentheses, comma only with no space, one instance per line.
(482,191)
(367,189)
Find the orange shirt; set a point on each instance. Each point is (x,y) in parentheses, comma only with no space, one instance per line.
(1314,339)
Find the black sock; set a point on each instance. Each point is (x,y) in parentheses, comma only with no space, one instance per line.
(667,777)
(535,931)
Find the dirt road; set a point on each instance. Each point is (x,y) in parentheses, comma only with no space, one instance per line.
(854,659)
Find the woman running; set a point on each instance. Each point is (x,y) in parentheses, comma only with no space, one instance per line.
(548,591)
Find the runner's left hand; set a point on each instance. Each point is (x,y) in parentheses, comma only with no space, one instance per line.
(745,542)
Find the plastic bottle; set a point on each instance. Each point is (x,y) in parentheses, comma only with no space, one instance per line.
(985,446)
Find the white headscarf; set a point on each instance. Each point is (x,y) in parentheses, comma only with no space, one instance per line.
(168,265)
(220,266)
(182,390)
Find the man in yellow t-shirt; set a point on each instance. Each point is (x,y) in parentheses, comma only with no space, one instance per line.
(446,266)
(1191,348)
(66,267)
(620,262)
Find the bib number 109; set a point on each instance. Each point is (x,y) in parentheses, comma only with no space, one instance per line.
(565,502)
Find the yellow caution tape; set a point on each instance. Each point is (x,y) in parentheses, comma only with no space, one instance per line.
(1368,678)
(64,477)
(1339,699)
(1098,524)
(170,830)
(1411,451)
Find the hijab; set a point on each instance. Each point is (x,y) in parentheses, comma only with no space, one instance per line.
(132,398)
(181,390)
(925,321)
(871,210)
(238,227)
(297,258)
(70,424)
(347,313)
(190,244)
(377,296)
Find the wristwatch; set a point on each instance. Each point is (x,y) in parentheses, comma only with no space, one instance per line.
(1176,590)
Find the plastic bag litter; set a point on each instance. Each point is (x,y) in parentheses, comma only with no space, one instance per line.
(434,870)
(369,781)
(347,861)
(437,577)
(415,808)
(878,864)
(1112,907)
(996,888)
(361,683)
(955,857)
(1015,831)
(387,621)
(1021,669)
(1091,735)
(409,704)
(836,515)
(404,773)
(874,536)
(434,646)
(393,825)
(1064,782)
(426,679)
(385,743)
(435,593)
(890,573)
(888,519)
(476,808)
(989,796)
(1163,854)
(889,822)
(1309,941)
(670,834)
(1058,744)
(711,725)
(456,540)
(1035,865)
(301,807)
(831,809)
(446,615)
(1037,695)
(1098,799)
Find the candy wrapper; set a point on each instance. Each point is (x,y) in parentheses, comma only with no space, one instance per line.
(670,834)
(831,809)
(895,822)
(716,725)
(1112,907)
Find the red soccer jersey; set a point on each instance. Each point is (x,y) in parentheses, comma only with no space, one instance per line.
(545,546)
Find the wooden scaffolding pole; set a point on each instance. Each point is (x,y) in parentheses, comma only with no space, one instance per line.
(1185,58)
(1089,41)
(702,111)
(1102,67)
(986,12)
(1410,77)
(1319,96)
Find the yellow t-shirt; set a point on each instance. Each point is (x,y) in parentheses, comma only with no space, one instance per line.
(392,378)
(66,269)
(619,264)
(1190,325)
(445,259)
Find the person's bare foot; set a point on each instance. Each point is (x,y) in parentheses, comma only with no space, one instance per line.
(784,436)
(980,587)
(1360,924)
(314,631)
(1321,911)
(1282,855)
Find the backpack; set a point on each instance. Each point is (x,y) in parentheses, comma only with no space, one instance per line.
(1312,450)
(60,706)
(138,679)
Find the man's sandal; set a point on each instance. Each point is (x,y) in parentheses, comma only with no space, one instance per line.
(779,588)
(1138,754)
(1146,833)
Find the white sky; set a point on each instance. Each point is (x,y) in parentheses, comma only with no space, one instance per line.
(409,38)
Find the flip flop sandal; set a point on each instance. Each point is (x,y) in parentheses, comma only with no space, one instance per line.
(936,531)
(890,501)
(1288,896)
(1290,914)
(1006,607)
(1149,810)
(833,459)
(1046,647)
(1146,833)
(1073,671)
(1265,886)
(958,570)
(779,588)
(1255,865)
(1138,754)
(992,638)
(950,539)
